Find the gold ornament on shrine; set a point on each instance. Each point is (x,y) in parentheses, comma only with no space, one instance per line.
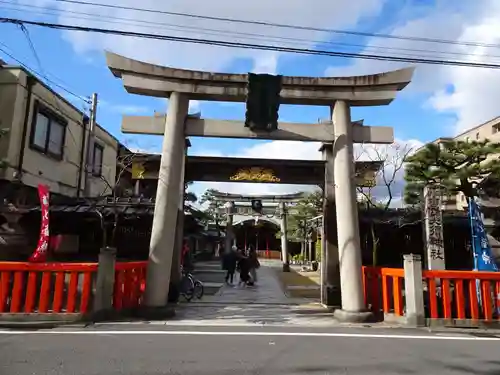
(255,174)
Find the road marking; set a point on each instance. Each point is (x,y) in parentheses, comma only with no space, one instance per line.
(253,333)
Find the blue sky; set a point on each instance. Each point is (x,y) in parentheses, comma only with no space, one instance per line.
(425,111)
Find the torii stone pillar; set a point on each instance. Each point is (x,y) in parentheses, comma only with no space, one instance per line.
(167,204)
(175,273)
(229,226)
(284,239)
(351,282)
(330,264)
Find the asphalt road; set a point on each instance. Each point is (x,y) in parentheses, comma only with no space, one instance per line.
(155,350)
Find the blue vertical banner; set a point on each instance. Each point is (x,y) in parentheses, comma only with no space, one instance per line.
(483,259)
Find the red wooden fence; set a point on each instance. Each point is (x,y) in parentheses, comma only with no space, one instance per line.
(46,287)
(454,294)
(383,289)
(65,287)
(269,254)
(447,294)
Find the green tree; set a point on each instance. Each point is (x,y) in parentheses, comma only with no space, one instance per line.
(456,166)
(189,196)
(310,206)
(208,197)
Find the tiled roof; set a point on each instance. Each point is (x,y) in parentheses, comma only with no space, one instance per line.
(133,206)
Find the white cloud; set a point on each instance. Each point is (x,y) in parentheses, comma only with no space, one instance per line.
(469,93)
(127,109)
(266,64)
(336,14)
(194,106)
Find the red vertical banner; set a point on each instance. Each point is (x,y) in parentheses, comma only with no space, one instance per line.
(40,254)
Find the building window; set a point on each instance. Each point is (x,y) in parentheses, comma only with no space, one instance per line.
(48,131)
(495,128)
(97,159)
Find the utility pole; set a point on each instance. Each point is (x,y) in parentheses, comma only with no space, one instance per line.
(90,145)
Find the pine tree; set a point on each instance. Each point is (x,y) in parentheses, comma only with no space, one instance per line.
(457,166)
(308,207)
(189,196)
(213,204)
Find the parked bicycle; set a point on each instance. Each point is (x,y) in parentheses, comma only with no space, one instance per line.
(190,286)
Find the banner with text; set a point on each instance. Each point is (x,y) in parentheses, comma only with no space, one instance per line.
(40,254)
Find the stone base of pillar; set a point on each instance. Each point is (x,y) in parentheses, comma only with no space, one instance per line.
(286,267)
(156,313)
(353,316)
(103,315)
(331,296)
(174,292)
(413,320)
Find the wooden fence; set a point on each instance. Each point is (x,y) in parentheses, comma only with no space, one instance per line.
(462,295)
(64,288)
(447,295)
(269,254)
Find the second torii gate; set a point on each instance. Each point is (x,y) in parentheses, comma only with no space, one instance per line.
(338,93)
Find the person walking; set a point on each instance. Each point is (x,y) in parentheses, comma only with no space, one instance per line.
(229,262)
(253,263)
(244,268)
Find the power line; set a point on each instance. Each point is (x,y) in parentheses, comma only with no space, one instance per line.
(285,26)
(221,32)
(42,76)
(411,60)
(39,61)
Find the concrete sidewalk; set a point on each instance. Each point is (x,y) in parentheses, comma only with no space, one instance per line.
(263,304)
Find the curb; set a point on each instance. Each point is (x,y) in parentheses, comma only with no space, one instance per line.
(40,325)
(470,331)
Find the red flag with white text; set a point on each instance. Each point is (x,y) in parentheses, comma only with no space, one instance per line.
(40,254)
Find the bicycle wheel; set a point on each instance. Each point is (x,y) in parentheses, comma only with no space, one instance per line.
(187,287)
(198,289)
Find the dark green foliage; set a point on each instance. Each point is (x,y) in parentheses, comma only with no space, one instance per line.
(208,197)
(307,208)
(458,166)
(188,195)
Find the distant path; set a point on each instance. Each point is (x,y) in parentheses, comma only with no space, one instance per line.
(267,290)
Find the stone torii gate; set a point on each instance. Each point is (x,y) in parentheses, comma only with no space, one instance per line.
(337,93)
(282,200)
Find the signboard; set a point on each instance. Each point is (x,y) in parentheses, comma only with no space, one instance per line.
(433,219)
(40,254)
